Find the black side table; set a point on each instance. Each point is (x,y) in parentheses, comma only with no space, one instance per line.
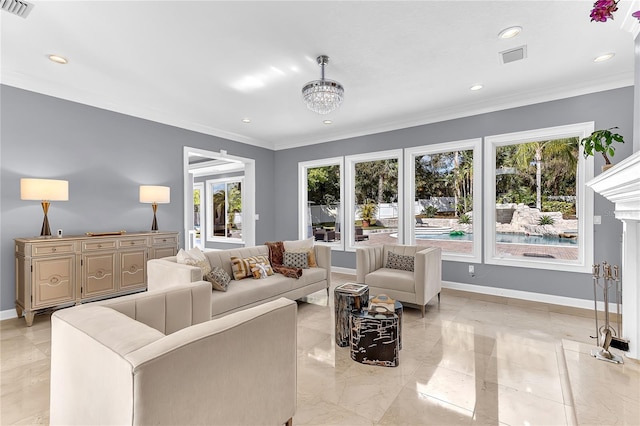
(348,297)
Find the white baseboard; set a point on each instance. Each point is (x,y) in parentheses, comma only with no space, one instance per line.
(340,270)
(8,314)
(526,295)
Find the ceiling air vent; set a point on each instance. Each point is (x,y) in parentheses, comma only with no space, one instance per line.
(16,7)
(513,55)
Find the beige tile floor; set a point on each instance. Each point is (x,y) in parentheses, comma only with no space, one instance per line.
(472,360)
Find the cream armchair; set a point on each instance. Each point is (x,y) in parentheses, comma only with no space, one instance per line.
(417,287)
(157,358)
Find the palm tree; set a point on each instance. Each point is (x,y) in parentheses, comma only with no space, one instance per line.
(560,148)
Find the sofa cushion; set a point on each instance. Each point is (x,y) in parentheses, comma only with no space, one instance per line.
(296,259)
(241,267)
(247,292)
(391,278)
(218,278)
(298,245)
(399,261)
(194,257)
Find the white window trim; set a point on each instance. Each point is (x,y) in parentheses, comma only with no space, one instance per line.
(203,213)
(349,213)
(303,167)
(584,194)
(209,183)
(410,189)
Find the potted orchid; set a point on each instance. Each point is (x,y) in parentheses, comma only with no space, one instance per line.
(603,10)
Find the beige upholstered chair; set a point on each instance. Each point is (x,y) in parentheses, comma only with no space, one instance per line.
(417,287)
(157,358)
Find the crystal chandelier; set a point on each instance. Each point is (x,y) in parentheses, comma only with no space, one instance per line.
(323,96)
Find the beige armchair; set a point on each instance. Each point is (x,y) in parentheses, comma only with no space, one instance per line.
(417,287)
(157,358)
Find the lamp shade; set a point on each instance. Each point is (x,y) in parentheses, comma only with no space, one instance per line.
(44,189)
(155,194)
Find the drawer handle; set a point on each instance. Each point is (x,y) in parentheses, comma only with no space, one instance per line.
(132,243)
(53,249)
(99,245)
(164,240)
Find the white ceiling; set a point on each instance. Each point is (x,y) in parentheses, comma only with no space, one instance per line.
(206,65)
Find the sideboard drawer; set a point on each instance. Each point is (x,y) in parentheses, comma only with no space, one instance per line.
(57,248)
(98,245)
(132,242)
(165,239)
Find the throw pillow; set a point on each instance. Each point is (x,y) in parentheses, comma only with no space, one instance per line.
(399,261)
(259,270)
(218,278)
(242,267)
(194,257)
(296,260)
(298,245)
(311,257)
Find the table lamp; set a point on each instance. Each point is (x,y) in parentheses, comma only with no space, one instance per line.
(44,190)
(154,195)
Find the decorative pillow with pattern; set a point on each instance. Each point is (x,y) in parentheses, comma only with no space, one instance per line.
(399,261)
(258,270)
(194,257)
(296,260)
(311,257)
(242,267)
(218,278)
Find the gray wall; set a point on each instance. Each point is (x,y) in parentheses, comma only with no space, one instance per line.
(607,109)
(105,156)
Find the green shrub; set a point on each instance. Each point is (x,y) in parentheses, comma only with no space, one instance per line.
(564,207)
(430,211)
(546,220)
(464,219)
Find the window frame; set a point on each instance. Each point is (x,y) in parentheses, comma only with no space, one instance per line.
(350,170)
(303,193)
(209,207)
(410,188)
(584,200)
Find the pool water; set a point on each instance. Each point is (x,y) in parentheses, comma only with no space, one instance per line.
(507,238)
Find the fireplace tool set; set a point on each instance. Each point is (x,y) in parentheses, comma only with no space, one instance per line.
(606,336)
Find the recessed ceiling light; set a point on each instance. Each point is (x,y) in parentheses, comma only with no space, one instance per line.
(604,57)
(58,59)
(328,122)
(246,120)
(510,32)
(476,87)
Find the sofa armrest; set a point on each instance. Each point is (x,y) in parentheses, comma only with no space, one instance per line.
(323,259)
(368,259)
(163,273)
(213,364)
(428,274)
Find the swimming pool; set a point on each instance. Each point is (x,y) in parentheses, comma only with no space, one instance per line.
(506,238)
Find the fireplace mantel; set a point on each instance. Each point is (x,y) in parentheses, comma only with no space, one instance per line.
(621,185)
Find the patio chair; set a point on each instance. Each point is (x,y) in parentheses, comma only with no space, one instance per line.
(360,234)
(419,222)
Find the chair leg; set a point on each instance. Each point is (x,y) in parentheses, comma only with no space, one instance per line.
(422,309)
(289,422)
(438,298)
(327,291)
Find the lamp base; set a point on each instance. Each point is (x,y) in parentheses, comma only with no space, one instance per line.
(46,230)
(154,224)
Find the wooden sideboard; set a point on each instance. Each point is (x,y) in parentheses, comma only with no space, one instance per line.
(53,272)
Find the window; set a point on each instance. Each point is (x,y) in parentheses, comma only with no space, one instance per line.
(224,209)
(373,213)
(444,199)
(538,211)
(320,201)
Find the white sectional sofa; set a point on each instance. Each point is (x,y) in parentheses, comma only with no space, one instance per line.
(158,358)
(241,294)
